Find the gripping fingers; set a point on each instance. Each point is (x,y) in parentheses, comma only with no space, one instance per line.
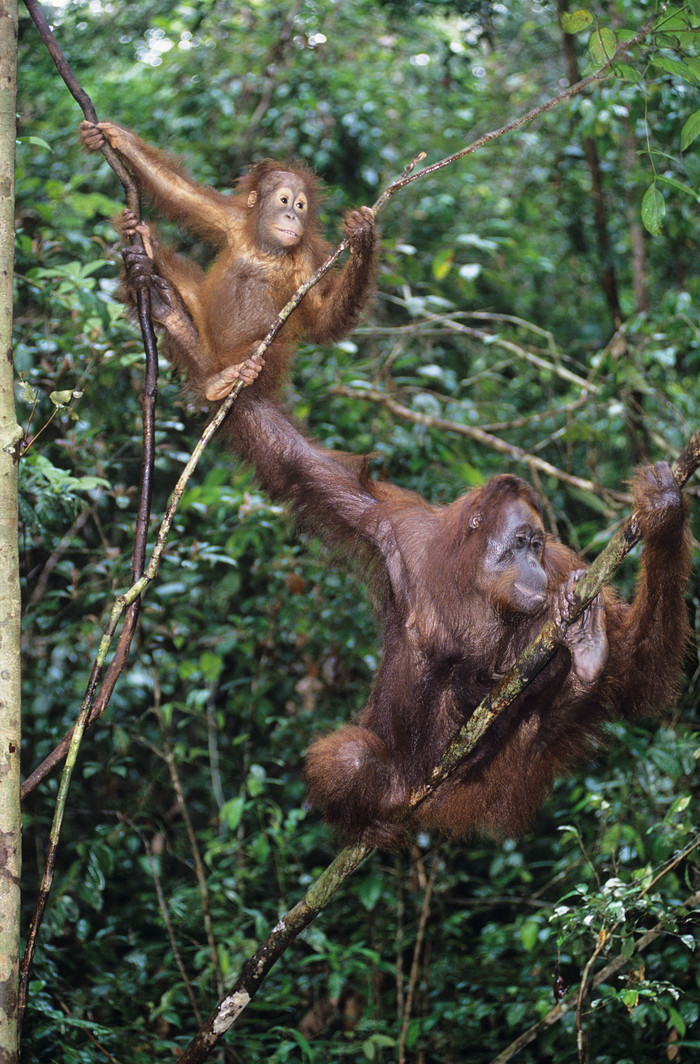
(565,599)
(359,224)
(219,386)
(138,264)
(91,136)
(249,370)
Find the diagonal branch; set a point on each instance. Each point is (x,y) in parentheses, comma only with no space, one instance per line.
(409,176)
(534,658)
(479,435)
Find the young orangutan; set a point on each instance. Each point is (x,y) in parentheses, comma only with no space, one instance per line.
(268,245)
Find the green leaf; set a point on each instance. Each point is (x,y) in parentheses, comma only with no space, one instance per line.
(370,890)
(28,393)
(628,73)
(676,69)
(602,46)
(38,142)
(415,1029)
(303,1044)
(676,1021)
(61,398)
(575,21)
(528,934)
(690,131)
(627,948)
(442,264)
(684,190)
(231,813)
(256,781)
(653,210)
(211,665)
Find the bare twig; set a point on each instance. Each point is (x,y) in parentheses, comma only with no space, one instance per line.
(601,943)
(163,906)
(523,120)
(479,435)
(54,558)
(415,963)
(199,870)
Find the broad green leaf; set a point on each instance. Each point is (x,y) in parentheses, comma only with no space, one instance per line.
(677,1021)
(211,665)
(575,21)
(629,73)
(528,934)
(653,210)
(690,131)
(231,813)
(256,781)
(676,68)
(602,45)
(61,398)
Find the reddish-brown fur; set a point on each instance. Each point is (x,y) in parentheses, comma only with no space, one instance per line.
(229,308)
(445,645)
(452,622)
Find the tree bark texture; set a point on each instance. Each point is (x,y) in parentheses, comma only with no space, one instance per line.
(10,434)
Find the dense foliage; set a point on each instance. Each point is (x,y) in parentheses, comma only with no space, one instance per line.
(511,299)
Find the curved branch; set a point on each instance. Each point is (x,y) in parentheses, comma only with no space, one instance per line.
(142,519)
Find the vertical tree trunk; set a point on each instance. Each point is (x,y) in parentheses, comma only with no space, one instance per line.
(10,825)
(640,278)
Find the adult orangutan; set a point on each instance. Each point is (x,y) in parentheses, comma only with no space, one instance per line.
(268,244)
(461,590)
